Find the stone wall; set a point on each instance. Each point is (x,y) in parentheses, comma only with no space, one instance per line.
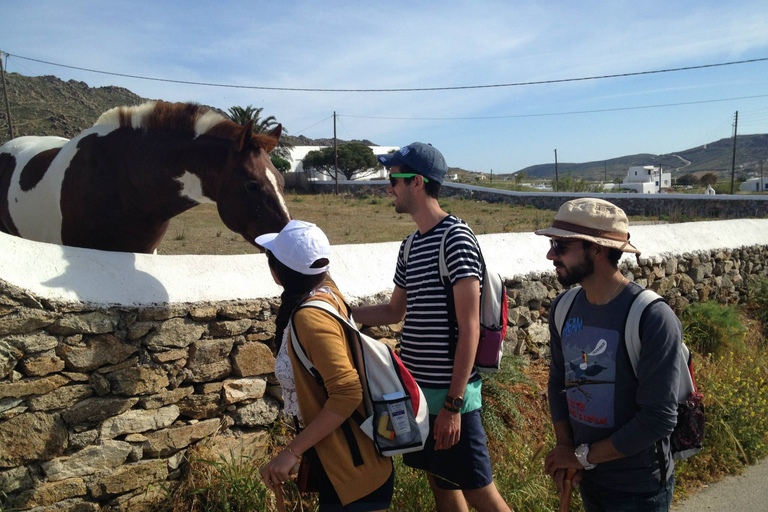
(98,406)
(676,206)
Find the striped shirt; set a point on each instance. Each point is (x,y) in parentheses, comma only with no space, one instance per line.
(427,345)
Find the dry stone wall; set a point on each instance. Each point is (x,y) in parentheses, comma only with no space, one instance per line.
(99,406)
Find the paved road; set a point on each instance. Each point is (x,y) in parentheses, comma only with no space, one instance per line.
(743,493)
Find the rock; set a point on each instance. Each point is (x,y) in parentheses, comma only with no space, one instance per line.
(165,397)
(209,351)
(34,386)
(96,322)
(41,364)
(25,320)
(93,410)
(95,352)
(201,406)
(137,381)
(240,311)
(255,444)
(45,437)
(247,388)
(538,335)
(208,372)
(49,493)
(174,333)
(9,356)
(164,312)
(259,413)
(532,295)
(134,421)
(16,479)
(139,330)
(130,477)
(169,355)
(252,358)
(203,313)
(79,440)
(37,342)
(229,328)
(61,398)
(90,460)
(520,316)
(166,442)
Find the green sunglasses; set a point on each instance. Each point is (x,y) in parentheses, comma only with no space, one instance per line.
(392,177)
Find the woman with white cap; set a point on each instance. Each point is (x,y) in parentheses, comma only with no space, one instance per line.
(352,476)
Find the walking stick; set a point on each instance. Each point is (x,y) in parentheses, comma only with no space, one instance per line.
(279,498)
(565,498)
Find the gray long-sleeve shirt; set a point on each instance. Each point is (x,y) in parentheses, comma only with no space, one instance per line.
(593,386)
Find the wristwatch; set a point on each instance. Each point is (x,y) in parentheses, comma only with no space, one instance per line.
(453,403)
(581,452)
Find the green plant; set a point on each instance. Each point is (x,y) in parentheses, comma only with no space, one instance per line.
(757,301)
(711,327)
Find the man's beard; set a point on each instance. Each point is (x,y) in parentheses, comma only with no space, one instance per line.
(577,273)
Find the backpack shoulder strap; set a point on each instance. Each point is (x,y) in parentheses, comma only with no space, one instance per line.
(407,248)
(442,265)
(564,307)
(632,328)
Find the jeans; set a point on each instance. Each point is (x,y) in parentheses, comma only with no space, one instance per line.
(602,499)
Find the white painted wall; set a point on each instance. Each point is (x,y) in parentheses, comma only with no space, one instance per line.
(754,185)
(83,275)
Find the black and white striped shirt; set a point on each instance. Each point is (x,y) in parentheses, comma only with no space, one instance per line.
(426,344)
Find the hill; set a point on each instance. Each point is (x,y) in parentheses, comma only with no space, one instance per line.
(46,105)
(713,157)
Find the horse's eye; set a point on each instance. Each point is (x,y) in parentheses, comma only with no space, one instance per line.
(252,187)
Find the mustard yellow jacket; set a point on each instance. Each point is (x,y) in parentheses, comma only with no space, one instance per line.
(325,343)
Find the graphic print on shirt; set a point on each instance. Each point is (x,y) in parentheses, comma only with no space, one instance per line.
(590,372)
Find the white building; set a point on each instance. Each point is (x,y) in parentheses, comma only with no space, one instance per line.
(647,179)
(299,152)
(754,185)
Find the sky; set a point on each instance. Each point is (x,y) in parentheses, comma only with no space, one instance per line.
(419,45)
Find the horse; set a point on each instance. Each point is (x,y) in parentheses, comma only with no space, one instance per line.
(116,185)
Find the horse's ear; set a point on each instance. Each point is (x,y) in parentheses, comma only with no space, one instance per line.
(244,137)
(274,134)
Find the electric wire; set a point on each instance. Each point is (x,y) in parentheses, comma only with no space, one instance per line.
(409,89)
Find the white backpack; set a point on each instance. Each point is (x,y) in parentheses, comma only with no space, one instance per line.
(397,417)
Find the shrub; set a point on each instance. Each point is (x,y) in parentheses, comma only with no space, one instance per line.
(710,327)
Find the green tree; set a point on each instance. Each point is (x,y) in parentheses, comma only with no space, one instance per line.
(709,179)
(242,115)
(281,164)
(520,176)
(688,179)
(355,160)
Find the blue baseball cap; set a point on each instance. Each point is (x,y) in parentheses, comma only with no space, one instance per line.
(422,158)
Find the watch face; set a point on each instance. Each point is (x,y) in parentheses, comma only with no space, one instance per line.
(455,401)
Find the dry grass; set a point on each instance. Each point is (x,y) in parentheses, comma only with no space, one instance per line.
(346,220)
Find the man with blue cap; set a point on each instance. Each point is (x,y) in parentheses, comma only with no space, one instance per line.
(440,332)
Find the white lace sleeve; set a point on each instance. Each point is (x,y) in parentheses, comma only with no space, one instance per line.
(284,374)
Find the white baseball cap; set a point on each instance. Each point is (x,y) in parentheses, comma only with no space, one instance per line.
(297,246)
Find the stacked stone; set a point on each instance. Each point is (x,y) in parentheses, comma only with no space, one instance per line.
(98,406)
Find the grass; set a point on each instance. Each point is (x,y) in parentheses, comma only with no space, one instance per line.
(711,327)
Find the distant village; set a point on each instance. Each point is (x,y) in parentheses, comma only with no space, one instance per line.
(641,179)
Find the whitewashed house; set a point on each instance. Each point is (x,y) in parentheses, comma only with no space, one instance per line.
(299,152)
(754,185)
(647,179)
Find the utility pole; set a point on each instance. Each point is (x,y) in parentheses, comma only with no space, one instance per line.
(733,161)
(762,183)
(605,170)
(491,175)
(555,188)
(5,93)
(335,154)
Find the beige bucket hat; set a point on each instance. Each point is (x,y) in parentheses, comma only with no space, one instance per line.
(595,220)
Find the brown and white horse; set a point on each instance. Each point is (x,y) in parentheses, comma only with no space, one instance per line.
(117,184)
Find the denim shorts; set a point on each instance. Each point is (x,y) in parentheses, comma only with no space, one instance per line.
(466,465)
(597,498)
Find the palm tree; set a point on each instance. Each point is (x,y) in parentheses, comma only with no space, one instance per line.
(242,115)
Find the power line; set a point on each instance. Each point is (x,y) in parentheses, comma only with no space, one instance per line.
(411,89)
(554,113)
(312,126)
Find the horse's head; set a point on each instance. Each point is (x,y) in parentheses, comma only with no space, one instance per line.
(250,198)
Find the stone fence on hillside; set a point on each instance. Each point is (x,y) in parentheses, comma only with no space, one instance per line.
(675,206)
(100,406)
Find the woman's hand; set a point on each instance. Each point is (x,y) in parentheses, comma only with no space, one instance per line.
(279,469)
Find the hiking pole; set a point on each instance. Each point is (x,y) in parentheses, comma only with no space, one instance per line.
(565,498)
(279,497)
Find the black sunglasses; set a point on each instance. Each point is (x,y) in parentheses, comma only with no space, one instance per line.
(559,247)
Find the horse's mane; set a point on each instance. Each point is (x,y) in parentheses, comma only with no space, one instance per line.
(161,115)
